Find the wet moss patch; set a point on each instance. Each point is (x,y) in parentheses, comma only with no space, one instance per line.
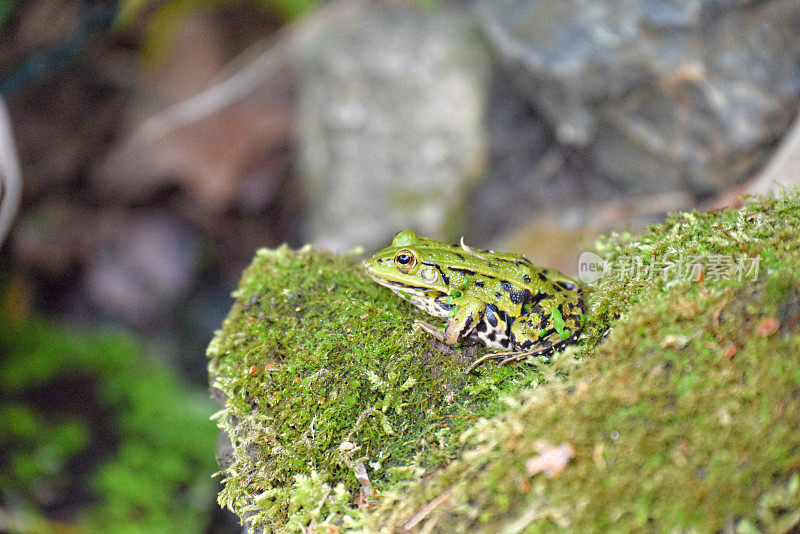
(680,399)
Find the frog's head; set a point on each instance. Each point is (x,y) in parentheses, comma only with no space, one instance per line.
(403,266)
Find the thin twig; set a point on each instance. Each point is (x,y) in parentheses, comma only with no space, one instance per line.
(318,509)
(249,77)
(10,174)
(427,509)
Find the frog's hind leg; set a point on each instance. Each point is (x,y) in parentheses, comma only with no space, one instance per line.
(541,348)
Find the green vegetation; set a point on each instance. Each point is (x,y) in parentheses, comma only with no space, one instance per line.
(88,414)
(5,9)
(680,398)
(287,9)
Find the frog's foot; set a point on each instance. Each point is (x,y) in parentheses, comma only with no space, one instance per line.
(508,357)
(432,330)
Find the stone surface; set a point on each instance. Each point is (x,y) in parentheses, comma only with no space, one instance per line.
(666,95)
(390,123)
(147,270)
(528,172)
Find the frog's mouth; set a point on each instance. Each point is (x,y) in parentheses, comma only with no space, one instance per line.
(395,285)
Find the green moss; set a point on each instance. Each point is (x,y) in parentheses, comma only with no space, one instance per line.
(679,400)
(151,443)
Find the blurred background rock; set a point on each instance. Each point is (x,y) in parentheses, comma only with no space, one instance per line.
(161,143)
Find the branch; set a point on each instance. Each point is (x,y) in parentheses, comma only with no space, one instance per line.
(10,174)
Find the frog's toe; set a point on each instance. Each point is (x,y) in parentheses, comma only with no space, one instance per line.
(432,330)
(489,356)
(429,328)
(515,357)
(535,347)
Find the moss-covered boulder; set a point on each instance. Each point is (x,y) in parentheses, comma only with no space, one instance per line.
(677,409)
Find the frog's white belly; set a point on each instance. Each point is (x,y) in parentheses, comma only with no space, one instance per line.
(423,302)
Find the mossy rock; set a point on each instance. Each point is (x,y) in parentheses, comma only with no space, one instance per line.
(681,399)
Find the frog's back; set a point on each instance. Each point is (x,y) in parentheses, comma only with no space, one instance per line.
(519,270)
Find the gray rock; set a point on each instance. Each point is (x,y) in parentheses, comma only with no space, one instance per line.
(390,125)
(144,272)
(666,95)
(529,172)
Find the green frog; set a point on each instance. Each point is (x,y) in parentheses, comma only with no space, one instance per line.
(501,299)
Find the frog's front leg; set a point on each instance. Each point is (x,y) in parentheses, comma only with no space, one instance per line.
(468,313)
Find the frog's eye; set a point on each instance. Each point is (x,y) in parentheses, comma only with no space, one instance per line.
(428,274)
(405,260)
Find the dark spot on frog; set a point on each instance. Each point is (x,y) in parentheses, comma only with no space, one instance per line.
(506,342)
(459,256)
(498,295)
(569,286)
(491,315)
(517,296)
(537,311)
(542,277)
(463,271)
(534,302)
(479,284)
(491,336)
(443,305)
(468,322)
(481,326)
(526,278)
(509,321)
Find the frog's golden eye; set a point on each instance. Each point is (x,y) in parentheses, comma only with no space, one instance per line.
(405,260)
(428,274)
